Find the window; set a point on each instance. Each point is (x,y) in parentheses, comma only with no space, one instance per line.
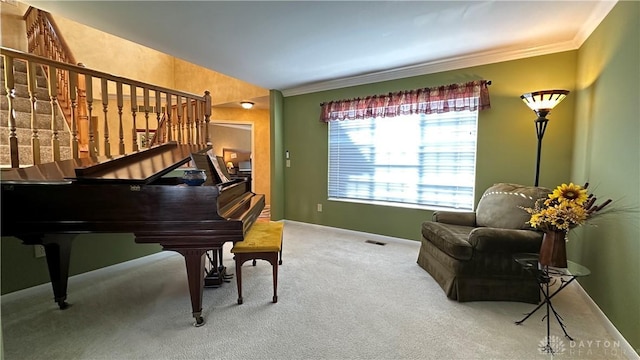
(417,160)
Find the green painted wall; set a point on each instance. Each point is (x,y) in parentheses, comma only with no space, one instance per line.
(594,135)
(506,142)
(277,155)
(607,154)
(21,269)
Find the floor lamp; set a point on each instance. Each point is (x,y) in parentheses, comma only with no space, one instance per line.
(541,102)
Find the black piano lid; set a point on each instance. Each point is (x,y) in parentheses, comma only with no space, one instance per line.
(141,167)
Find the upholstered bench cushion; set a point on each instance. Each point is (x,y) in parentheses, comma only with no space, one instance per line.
(262,237)
(450,239)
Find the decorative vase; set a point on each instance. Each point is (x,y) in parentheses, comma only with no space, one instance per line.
(194,177)
(553,251)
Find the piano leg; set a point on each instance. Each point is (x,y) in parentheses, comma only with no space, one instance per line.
(57,247)
(195,260)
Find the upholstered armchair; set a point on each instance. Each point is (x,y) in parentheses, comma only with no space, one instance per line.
(470,254)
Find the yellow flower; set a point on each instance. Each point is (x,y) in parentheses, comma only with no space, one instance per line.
(536,220)
(566,207)
(569,194)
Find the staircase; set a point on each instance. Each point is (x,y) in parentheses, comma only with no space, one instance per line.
(80,95)
(24,131)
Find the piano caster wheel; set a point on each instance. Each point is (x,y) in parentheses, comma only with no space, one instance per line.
(239,301)
(199,321)
(275,299)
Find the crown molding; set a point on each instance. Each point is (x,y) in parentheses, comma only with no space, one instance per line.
(454,63)
(461,62)
(602,10)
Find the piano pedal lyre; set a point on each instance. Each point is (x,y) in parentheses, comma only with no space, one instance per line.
(215,272)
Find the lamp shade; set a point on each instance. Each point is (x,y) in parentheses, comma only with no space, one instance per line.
(246,104)
(229,165)
(543,101)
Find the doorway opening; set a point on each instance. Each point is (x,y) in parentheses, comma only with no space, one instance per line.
(234,141)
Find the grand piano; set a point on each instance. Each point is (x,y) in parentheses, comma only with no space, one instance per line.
(50,204)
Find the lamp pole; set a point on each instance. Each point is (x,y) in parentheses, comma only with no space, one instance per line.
(541,102)
(541,126)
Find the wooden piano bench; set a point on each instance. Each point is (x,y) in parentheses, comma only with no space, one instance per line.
(263,241)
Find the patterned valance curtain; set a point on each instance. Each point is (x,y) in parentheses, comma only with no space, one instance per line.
(473,95)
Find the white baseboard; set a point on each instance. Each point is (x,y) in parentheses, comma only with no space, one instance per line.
(371,236)
(105,271)
(625,347)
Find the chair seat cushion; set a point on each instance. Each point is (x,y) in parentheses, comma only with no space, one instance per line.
(450,239)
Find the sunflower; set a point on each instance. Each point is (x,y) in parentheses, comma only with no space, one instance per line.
(565,208)
(569,194)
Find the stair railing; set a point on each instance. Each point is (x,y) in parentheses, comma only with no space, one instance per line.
(101,88)
(44,40)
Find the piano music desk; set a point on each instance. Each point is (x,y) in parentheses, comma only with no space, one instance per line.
(263,241)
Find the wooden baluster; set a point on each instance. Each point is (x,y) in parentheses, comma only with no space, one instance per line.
(84,127)
(48,44)
(73,86)
(159,131)
(189,121)
(105,109)
(88,80)
(9,83)
(40,38)
(169,112)
(120,102)
(180,114)
(33,97)
(176,123)
(201,117)
(53,97)
(145,96)
(207,115)
(134,107)
(30,26)
(202,126)
(63,94)
(198,121)
(27,21)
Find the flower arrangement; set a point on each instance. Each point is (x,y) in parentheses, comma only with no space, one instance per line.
(566,207)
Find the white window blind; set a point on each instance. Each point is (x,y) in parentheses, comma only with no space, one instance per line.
(411,160)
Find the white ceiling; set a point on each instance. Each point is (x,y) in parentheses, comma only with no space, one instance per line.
(304,46)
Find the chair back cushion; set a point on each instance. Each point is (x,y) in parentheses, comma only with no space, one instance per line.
(500,205)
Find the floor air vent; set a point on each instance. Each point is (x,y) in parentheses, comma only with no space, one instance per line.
(375,242)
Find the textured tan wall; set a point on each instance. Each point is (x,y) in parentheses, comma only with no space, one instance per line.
(12,26)
(224,89)
(225,137)
(104,52)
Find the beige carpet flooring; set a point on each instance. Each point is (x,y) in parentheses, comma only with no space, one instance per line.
(339,298)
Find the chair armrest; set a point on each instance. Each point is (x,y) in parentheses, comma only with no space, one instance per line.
(505,240)
(455,218)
